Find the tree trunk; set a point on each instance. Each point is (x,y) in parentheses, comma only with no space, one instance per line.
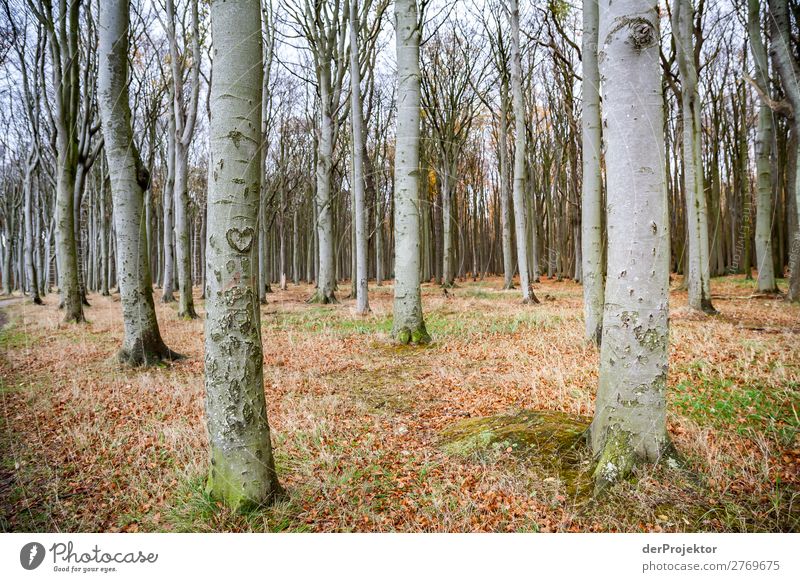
(104,234)
(29,233)
(142,343)
(698,272)
(242,471)
(505,202)
(168,195)
(630,414)
(408,325)
(789,70)
(591,193)
(326,275)
(519,156)
(359,185)
(765,136)
(183,254)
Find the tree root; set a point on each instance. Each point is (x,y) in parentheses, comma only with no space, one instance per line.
(320,298)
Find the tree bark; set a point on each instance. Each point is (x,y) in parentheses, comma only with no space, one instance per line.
(520,139)
(359,184)
(408,325)
(505,198)
(765,136)
(698,271)
(242,471)
(168,195)
(789,71)
(142,343)
(630,415)
(591,193)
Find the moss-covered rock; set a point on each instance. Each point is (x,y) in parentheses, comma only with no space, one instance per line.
(553,441)
(529,432)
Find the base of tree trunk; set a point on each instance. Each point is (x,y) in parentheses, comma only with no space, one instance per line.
(74,318)
(618,458)
(320,298)
(225,485)
(418,336)
(147,353)
(615,462)
(707,308)
(37,300)
(188,314)
(508,287)
(168,298)
(531,300)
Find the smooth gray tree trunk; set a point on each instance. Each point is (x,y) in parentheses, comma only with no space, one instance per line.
(142,343)
(765,136)
(242,471)
(630,415)
(408,325)
(698,271)
(185,117)
(591,235)
(28,211)
(168,194)
(789,70)
(505,196)
(359,184)
(520,140)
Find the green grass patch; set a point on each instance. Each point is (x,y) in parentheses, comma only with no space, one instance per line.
(756,408)
(12,337)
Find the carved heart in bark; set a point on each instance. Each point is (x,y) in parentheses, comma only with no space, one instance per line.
(241,240)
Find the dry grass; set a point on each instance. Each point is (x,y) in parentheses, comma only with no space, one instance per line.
(87,446)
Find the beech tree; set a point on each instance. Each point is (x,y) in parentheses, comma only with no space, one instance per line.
(242,472)
(142,343)
(784,54)
(765,136)
(591,193)
(408,325)
(359,163)
(699,276)
(629,424)
(62,25)
(182,121)
(520,140)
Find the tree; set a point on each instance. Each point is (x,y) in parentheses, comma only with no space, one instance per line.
(242,466)
(184,118)
(684,30)
(630,414)
(408,325)
(765,136)
(499,51)
(142,343)
(63,31)
(591,186)
(324,26)
(359,183)
(786,62)
(520,138)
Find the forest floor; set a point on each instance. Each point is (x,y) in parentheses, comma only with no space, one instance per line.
(357,422)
